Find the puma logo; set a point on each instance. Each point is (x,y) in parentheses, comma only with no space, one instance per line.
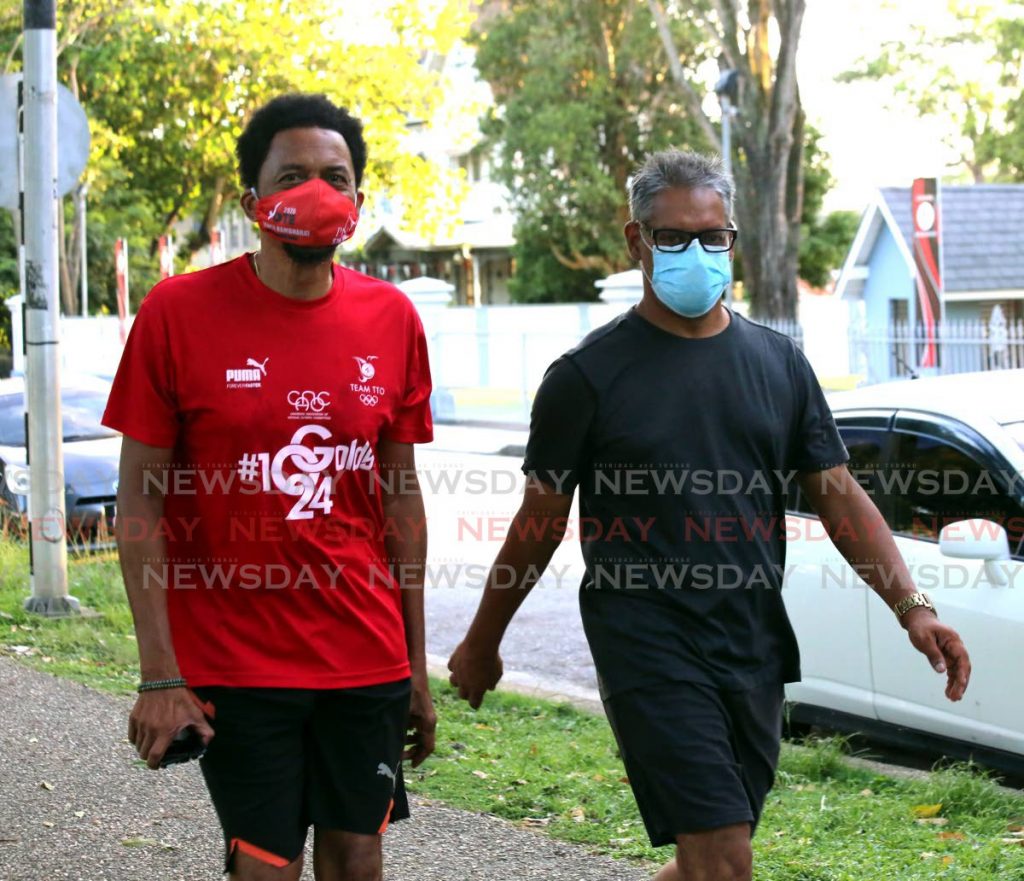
(384,771)
(262,367)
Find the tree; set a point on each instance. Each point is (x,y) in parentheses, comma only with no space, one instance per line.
(769,133)
(964,67)
(168,86)
(581,98)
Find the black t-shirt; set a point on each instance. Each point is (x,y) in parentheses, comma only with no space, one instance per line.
(684,450)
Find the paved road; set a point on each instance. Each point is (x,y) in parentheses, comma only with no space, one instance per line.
(470,499)
(76,807)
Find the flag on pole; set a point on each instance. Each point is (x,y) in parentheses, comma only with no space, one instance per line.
(927,214)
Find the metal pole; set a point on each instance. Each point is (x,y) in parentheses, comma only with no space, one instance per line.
(42,319)
(727,160)
(82,241)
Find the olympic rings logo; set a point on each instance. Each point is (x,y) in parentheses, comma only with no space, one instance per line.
(369,400)
(309,401)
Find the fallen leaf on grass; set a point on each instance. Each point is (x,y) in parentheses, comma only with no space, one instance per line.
(951,836)
(1018,841)
(483,775)
(932,821)
(536,821)
(481,727)
(927,810)
(866,792)
(578,815)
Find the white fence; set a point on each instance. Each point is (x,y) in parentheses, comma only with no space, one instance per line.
(896,351)
(488,361)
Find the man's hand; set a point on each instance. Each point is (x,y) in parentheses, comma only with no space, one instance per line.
(474,673)
(941,644)
(158,716)
(422,723)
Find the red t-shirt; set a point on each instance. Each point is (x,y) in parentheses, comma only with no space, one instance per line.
(273,510)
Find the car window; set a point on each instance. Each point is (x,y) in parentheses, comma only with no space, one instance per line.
(933,484)
(81,411)
(866,447)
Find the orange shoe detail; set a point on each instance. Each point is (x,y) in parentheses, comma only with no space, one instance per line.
(387,818)
(264,856)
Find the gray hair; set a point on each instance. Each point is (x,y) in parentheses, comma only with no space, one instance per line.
(677,168)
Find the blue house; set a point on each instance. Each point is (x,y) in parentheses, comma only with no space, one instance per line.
(983,268)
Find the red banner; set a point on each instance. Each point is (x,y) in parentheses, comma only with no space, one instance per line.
(927,214)
(121,269)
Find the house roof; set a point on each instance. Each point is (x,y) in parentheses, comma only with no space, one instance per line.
(982,240)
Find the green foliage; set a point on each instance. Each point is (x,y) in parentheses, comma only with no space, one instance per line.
(168,85)
(964,66)
(582,96)
(539,277)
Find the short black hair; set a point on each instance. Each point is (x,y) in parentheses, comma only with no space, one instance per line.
(296,111)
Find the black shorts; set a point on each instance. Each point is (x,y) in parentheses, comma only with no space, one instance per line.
(698,758)
(284,758)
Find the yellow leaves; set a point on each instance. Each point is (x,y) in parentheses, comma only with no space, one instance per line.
(924,811)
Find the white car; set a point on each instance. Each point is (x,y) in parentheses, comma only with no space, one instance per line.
(943,458)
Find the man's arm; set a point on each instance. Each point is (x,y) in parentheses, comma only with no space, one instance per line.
(406,546)
(157,715)
(476,665)
(861,535)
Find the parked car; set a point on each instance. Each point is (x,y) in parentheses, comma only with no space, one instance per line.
(91,455)
(943,458)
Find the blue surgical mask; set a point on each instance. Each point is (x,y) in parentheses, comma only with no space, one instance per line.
(690,282)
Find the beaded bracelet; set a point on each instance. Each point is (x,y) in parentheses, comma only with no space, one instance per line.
(158,684)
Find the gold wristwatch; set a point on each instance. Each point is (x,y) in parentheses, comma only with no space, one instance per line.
(912,602)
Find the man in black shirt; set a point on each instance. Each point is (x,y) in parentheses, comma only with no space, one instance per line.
(684,425)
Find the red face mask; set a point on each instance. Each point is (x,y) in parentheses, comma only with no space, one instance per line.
(313,214)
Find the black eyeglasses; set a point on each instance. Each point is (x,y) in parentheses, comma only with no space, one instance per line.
(676,240)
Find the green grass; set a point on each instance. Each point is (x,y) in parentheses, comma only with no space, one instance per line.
(551,767)
(98,651)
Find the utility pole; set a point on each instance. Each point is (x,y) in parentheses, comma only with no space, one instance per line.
(727,90)
(83,248)
(39,206)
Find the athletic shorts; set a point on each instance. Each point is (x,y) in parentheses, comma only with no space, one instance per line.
(698,758)
(282,759)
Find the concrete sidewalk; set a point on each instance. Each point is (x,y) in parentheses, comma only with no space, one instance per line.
(74,806)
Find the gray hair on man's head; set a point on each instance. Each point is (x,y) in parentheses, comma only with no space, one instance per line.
(677,168)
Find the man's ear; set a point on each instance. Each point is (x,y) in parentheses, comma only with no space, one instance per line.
(248,203)
(359,201)
(633,244)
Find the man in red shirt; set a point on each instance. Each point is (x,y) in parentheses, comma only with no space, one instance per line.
(270,525)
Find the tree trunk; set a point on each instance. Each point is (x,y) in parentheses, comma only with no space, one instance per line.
(768,138)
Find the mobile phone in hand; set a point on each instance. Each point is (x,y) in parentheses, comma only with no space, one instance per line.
(187,745)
